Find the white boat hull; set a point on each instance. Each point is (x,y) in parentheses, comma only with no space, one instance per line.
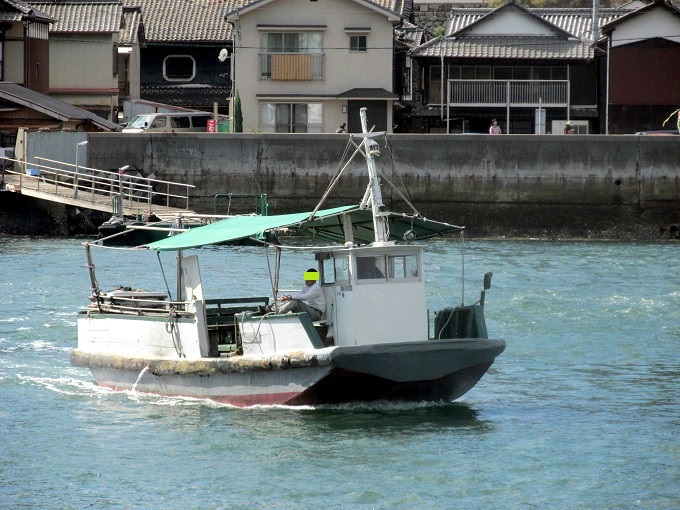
(414,371)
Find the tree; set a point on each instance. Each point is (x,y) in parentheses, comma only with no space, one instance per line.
(238,114)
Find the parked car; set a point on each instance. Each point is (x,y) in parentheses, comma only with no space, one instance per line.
(168,123)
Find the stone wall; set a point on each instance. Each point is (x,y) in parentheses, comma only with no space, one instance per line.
(432,15)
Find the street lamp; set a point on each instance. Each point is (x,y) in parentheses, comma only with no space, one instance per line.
(120,188)
(78,146)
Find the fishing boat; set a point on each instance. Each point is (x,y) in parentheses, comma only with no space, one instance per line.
(375,340)
(121,230)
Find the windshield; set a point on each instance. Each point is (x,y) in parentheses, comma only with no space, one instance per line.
(140,121)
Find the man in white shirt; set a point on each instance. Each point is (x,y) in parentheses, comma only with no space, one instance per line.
(310,299)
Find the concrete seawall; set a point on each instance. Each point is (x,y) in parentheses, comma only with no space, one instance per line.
(547,186)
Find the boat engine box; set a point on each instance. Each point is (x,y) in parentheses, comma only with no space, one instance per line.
(460,322)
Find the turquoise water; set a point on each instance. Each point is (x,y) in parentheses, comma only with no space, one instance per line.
(580,411)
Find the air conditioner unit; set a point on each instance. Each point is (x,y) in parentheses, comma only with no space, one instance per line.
(581,127)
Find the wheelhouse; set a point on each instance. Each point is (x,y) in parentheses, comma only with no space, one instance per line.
(357,279)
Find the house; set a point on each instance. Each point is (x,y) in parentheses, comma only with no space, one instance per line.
(83,53)
(25,108)
(643,78)
(185,53)
(130,37)
(24,45)
(407,36)
(310,65)
(24,57)
(532,69)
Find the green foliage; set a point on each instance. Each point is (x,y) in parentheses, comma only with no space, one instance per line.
(439,31)
(238,114)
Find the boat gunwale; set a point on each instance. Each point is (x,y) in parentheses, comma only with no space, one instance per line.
(235,363)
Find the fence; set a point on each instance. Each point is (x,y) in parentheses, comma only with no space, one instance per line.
(54,177)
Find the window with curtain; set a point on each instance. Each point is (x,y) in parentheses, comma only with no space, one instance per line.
(291,117)
(291,56)
(291,42)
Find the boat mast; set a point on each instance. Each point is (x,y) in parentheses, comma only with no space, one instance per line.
(370,149)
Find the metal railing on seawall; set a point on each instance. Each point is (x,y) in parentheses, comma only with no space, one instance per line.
(103,189)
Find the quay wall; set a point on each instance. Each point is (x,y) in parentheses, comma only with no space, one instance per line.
(572,186)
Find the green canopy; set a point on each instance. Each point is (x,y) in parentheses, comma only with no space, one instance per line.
(401,227)
(328,224)
(237,228)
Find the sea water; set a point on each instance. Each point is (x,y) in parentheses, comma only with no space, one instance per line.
(581,411)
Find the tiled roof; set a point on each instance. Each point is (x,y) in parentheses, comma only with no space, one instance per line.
(643,10)
(574,21)
(531,47)
(17,10)
(184,20)
(177,95)
(577,22)
(409,34)
(50,106)
(399,7)
(94,16)
(129,30)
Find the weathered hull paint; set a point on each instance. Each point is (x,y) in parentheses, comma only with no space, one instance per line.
(415,371)
(245,389)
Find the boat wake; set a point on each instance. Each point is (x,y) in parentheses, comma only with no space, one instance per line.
(66,385)
(70,386)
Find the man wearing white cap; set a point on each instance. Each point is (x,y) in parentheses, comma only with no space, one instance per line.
(310,299)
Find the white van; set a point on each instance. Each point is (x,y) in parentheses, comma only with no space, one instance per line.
(168,123)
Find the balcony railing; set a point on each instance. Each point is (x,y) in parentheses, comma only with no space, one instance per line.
(292,66)
(502,93)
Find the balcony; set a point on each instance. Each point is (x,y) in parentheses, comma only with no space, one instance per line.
(506,93)
(292,66)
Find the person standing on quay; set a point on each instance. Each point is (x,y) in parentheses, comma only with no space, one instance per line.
(495,129)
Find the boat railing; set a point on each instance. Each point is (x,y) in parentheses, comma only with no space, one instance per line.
(133,306)
(236,200)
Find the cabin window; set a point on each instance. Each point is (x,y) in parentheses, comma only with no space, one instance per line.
(179,68)
(328,271)
(341,265)
(371,268)
(402,266)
